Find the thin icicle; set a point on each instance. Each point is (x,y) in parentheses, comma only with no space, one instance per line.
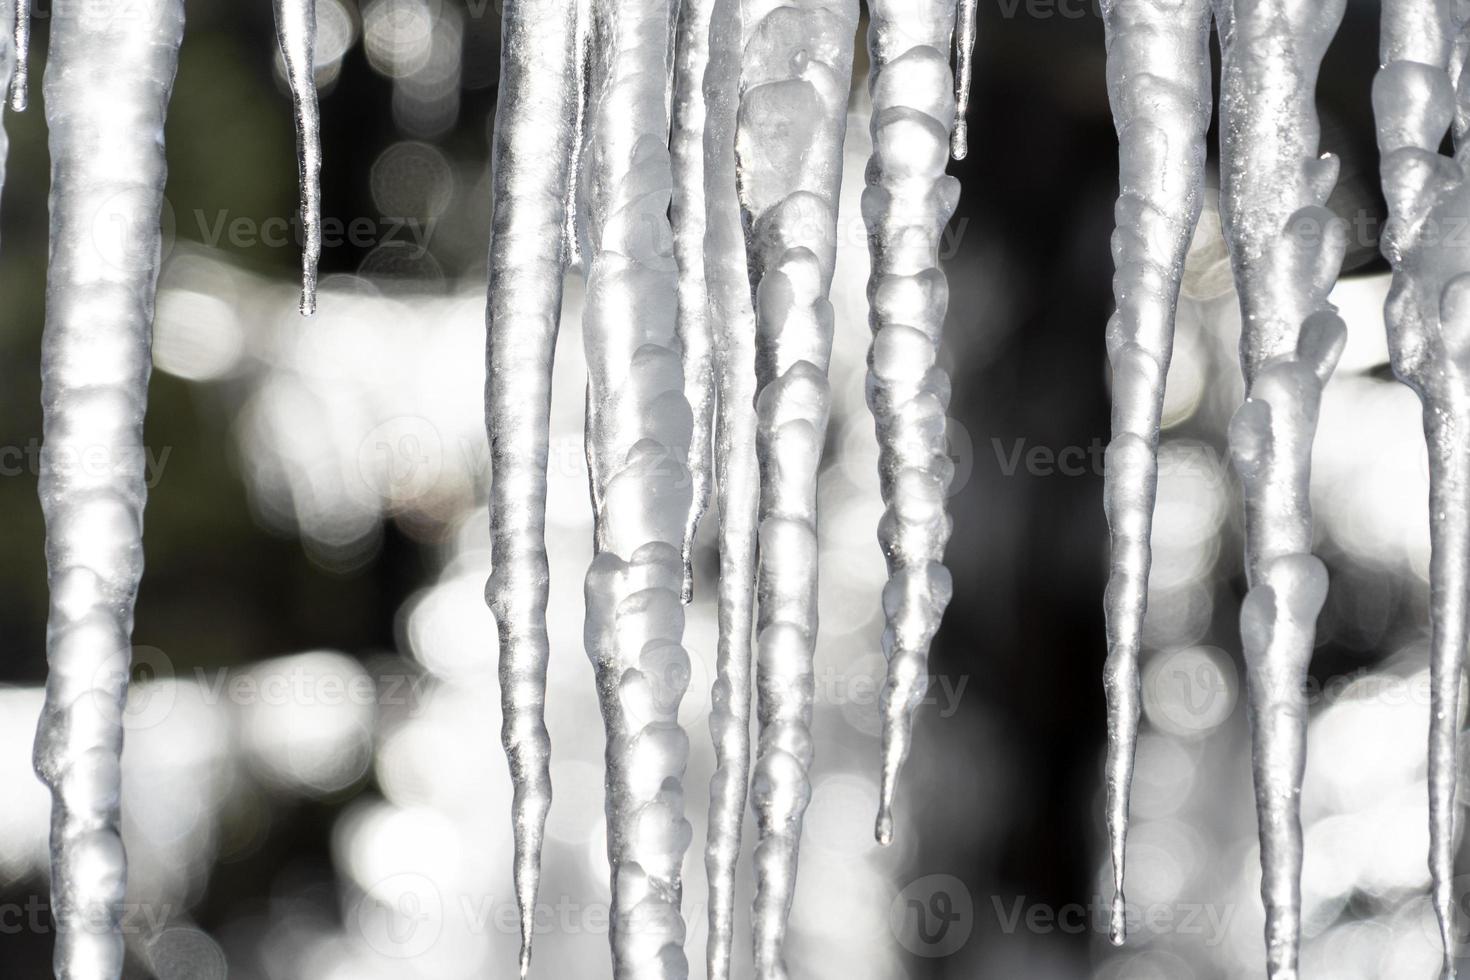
(296,33)
(1428,318)
(964,45)
(908,201)
(1286,249)
(107,84)
(638,431)
(534,130)
(686,148)
(20,79)
(1159,86)
(738,477)
(795,76)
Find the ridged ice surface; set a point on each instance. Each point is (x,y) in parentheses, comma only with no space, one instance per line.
(732,318)
(908,200)
(1286,249)
(1415,102)
(107,171)
(796,69)
(1159,87)
(686,149)
(296,33)
(534,130)
(638,428)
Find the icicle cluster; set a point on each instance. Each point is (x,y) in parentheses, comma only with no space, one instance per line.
(1286,249)
(1418,95)
(737,476)
(908,200)
(107,179)
(534,130)
(794,78)
(296,33)
(1159,86)
(638,435)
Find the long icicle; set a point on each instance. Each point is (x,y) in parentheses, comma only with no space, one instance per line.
(534,130)
(638,434)
(686,148)
(296,33)
(1159,87)
(20,78)
(1286,249)
(107,161)
(796,71)
(1428,318)
(967,12)
(907,203)
(738,478)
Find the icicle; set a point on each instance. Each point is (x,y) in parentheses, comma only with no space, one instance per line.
(638,433)
(534,131)
(959,138)
(686,147)
(20,79)
(1428,318)
(296,32)
(733,320)
(907,203)
(795,76)
(107,83)
(1286,249)
(1159,86)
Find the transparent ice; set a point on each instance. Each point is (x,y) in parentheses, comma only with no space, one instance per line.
(296,32)
(1418,96)
(107,183)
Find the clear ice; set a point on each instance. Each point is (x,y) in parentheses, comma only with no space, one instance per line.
(1159,86)
(296,33)
(107,172)
(908,200)
(686,149)
(795,74)
(1286,249)
(1419,94)
(638,435)
(534,130)
(732,316)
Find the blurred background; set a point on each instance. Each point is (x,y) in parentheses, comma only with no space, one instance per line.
(314,783)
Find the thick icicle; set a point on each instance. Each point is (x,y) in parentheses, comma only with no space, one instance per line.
(964,56)
(1159,86)
(733,319)
(1286,249)
(1428,317)
(107,84)
(534,131)
(908,201)
(638,430)
(795,75)
(296,32)
(686,148)
(20,79)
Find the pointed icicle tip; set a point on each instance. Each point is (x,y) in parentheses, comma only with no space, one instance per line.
(1118,927)
(965,16)
(20,81)
(525,957)
(884,830)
